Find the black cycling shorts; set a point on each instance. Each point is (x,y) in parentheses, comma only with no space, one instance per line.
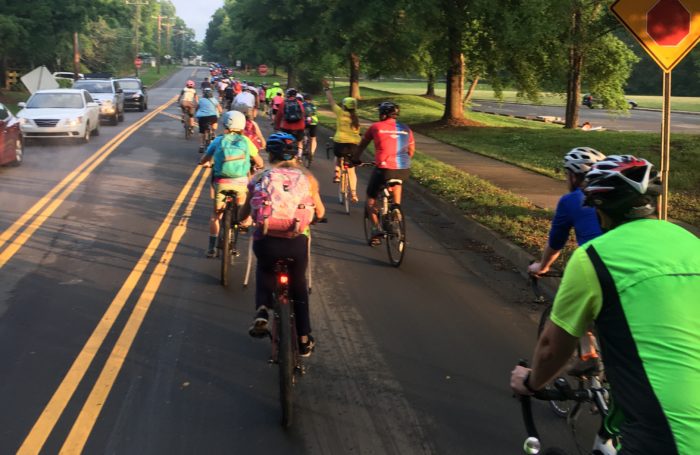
(312,130)
(345,150)
(379,176)
(204,122)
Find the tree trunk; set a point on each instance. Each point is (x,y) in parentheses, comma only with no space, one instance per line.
(573,89)
(431,84)
(454,110)
(291,76)
(354,76)
(274,70)
(470,92)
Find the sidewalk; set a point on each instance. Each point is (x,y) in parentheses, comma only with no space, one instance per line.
(542,191)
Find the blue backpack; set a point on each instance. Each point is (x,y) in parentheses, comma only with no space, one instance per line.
(232,158)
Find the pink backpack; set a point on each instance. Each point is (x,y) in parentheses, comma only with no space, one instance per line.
(281,203)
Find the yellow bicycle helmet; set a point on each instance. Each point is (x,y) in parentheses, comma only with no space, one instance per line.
(349,103)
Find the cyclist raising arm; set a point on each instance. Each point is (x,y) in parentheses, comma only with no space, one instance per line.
(571,213)
(640,283)
(347,136)
(394,147)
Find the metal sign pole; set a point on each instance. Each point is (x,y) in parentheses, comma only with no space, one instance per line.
(665,146)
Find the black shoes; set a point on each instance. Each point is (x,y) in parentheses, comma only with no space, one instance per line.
(259,328)
(305,349)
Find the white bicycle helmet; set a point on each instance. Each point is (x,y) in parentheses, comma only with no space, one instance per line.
(234,121)
(580,159)
(623,185)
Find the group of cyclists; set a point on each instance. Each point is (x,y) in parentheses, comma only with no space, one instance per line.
(634,277)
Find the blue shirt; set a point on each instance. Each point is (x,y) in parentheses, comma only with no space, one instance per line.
(571,213)
(207,107)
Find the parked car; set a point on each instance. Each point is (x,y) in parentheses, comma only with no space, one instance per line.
(592,102)
(135,96)
(67,75)
(108,94)
(62,112)
(11,144)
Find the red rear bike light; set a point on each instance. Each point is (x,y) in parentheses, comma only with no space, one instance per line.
(283,279)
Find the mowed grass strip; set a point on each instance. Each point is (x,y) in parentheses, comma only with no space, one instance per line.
(540,146)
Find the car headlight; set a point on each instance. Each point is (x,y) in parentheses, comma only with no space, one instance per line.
(136,96)
(25,121)
(74,121)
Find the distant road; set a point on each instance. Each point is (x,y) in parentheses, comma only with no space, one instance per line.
(636,120)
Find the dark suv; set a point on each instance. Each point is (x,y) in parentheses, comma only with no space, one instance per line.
(135,96)
(108,94)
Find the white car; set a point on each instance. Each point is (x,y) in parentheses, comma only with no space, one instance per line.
(61,112)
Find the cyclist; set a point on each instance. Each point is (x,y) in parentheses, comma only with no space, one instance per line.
(208,111)
(290,118)
(639,282)
(187,100)
(268,249)
(246,101)
(346,138)
(276,104)
(271,92)
(205,84)
(394,147)
(252,130)
(311,121)
(232,154)
(571,213)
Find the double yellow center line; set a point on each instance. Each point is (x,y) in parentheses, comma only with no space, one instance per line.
(58,194)
(83,425)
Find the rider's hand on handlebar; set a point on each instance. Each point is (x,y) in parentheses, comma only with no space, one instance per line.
(536,268)
(517,379)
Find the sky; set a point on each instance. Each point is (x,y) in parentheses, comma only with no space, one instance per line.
(197,14)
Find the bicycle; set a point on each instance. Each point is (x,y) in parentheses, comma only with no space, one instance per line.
(285,346)
(604,443)
(209,136)
(391,223)
(344,190)
(228,235)
(189,130)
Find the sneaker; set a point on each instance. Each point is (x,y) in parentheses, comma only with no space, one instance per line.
(259,327)
(305,349)
(354,197)
(211,253)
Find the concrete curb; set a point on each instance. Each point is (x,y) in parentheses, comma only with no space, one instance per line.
(649,109)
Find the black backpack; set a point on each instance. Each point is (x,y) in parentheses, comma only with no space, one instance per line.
(292,110)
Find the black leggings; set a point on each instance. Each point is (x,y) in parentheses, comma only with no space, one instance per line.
(268,250)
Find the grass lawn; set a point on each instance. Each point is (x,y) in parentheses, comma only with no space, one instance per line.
(484,92)
(540,147)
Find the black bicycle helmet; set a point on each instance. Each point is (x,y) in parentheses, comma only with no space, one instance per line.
(623,186)
(291,92)
(281,146)
(388,109)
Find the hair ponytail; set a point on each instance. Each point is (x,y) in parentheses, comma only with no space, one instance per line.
(355,120)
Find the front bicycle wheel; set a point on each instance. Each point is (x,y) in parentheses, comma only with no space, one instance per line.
(285,359)
(395,236)
(225,247)
(560,408)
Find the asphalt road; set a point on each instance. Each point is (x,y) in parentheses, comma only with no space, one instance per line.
(116,337)
(635,120)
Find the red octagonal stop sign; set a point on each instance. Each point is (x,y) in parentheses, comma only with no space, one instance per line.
(668,22)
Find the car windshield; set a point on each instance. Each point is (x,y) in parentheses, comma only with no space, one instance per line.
(94,86)
(130,85)
(55,100)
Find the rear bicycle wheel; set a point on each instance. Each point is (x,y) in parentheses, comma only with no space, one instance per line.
(225,247)
(341,186)
(395,236)
(347,194)
(368,227)
(285,359)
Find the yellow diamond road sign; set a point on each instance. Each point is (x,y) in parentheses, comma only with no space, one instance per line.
(667,29)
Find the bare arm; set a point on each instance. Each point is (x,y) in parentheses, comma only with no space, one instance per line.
(551,353)
(549,256)
(259,134)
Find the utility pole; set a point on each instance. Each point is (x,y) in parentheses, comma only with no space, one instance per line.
(160,21)
(76,56)
(137,27)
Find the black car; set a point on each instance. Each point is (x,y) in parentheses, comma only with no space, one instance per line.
(135,96)
(591,102)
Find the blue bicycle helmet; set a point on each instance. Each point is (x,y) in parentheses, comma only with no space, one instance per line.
(281,146)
